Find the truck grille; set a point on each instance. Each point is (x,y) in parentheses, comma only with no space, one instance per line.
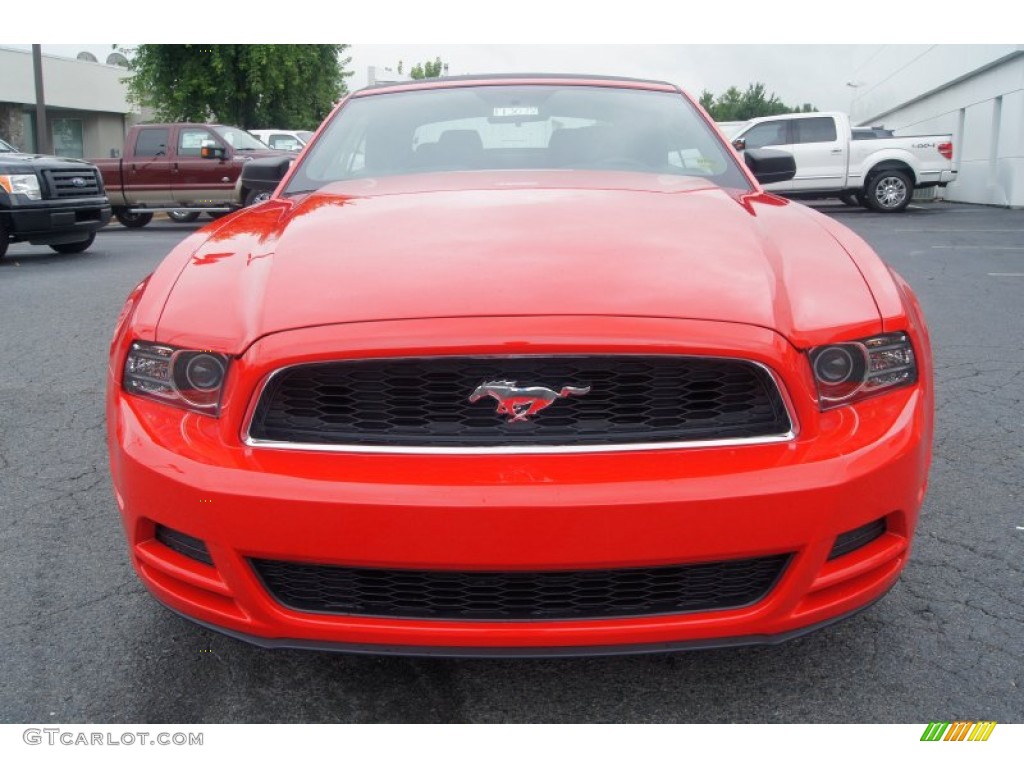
(424,402)
(73,183)
(516,595)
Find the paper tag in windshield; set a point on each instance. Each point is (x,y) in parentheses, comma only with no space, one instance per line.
(515,111)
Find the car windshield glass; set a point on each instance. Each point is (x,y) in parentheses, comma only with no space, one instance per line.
(5,147)
(304,135)
(239,139)
(517,127)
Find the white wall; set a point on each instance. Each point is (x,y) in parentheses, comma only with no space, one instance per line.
(975,92)
(67,83)
(898,74)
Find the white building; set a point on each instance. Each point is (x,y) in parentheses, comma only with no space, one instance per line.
(975,92)
(87,108)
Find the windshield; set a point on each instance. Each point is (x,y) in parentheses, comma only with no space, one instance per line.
(305,136)
(517,127)
(239,139)
(5,147)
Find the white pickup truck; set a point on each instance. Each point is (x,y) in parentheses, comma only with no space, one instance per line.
(833,160)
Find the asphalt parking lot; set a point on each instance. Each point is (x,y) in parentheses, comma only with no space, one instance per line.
(84,642)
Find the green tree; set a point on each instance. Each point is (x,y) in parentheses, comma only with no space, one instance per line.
(728,105)
(707,100)
(427,69)
(734,105)
(251,86)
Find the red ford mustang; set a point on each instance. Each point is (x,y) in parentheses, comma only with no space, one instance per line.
(520,365)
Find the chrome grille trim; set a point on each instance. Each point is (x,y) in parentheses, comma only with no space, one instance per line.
(568,448)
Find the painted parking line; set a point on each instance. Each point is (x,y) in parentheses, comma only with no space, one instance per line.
(976,248)
(1006,274)
(946,231)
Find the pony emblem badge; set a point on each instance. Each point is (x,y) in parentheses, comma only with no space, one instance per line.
(520,403)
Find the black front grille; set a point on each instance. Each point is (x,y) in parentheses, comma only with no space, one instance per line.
(515,595)
(425,402)
(63,183)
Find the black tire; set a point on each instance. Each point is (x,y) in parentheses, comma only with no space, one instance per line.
(78,247)
(889,191)
(253,197)
(216,214)
(132,220)
(4,238)
(183,216)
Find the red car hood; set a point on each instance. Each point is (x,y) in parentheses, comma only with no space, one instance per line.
(544,244)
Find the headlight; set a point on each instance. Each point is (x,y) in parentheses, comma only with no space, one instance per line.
(26,184)
(187,378)
(856,369)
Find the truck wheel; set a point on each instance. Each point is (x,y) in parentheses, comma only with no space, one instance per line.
(131,219)
(889,191)
(78,247)
(183,216)
(253,197)
(4,238)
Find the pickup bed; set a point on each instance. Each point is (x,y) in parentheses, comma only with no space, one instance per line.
(52,201)
(181,168)
(879,172)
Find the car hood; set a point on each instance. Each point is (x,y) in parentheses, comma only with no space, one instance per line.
(580,243)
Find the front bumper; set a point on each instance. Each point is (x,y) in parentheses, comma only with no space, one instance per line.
(846,468)
(48,222)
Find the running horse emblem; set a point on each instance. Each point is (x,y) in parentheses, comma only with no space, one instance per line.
(520,403)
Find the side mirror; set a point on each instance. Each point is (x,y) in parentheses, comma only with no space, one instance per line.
(212,152)
(739,144)
(770,166)
(264,174)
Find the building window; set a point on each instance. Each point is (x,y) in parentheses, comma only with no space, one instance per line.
(28,132)
(67,137)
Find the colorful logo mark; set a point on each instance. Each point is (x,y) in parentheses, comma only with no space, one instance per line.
(959,731)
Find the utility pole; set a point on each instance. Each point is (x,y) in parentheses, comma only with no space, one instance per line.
(42,139)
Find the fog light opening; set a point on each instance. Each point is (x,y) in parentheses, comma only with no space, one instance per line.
(853,540)
(183,544)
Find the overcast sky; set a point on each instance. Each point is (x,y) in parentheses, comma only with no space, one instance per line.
(796,73)
(817,47)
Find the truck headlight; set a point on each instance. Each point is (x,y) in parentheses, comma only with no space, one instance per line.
(26,184)
(857,369)
(187,378)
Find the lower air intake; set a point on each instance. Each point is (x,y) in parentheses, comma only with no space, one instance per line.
(519,595)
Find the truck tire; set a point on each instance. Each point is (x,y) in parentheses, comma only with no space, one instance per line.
(889,191)
(4,238)
(253,197)
(183,216)
(132,220)
(78,247)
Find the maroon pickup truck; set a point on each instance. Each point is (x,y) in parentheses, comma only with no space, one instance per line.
(182,169)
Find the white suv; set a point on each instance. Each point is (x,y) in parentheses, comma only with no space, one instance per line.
(280,139)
